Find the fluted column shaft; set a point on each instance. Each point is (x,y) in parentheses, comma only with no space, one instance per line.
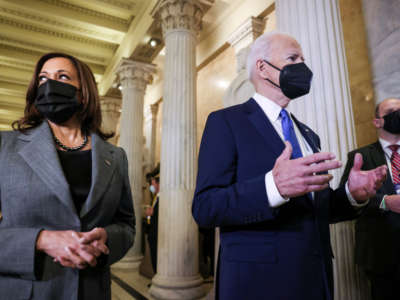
(327,109)
(154,111)
(134,76)
(177,267)
(110,111)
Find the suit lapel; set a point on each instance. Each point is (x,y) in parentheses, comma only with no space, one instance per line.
(264,127)
(377,154)
(41,155)
(305,132)
(103,167)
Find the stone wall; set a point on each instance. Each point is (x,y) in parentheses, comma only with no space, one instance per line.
(383,29)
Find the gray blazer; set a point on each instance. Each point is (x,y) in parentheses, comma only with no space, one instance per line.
(35,195)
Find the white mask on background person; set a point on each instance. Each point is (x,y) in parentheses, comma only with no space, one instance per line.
(152,189)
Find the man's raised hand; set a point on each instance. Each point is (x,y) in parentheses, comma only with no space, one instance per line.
(296,177)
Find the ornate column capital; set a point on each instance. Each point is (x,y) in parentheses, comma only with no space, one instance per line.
(135,74)
(181,14)
(243,36)
(110,104)
(246,33)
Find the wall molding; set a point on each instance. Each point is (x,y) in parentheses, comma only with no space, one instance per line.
(86,11)
(20,47)
(48,21)
(58,34)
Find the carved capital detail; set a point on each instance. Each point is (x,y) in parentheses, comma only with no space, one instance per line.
(250,30)
(181,14)
(110,104)
(134,74)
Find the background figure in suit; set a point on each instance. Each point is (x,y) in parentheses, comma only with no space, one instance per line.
(65,196)
(152,216)
(271,198)
(377,250)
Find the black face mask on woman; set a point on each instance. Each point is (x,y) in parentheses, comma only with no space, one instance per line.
(294,79)
(392,122)
(57,101)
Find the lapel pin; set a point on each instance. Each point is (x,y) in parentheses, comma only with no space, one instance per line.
(107,162)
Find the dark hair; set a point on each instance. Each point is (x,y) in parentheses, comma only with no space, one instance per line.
(377,110)
(154,174)
(89,116)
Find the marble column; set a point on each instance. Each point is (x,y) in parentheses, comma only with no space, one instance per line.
(153,134)
(110,112)
(327,109)
(383,29)
(241,89)
(147,135)
(134,77)
(178,246)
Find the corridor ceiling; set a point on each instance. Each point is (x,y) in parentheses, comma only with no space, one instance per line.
(99,32)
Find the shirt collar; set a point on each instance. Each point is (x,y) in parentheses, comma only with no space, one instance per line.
(385,145)
(270,108)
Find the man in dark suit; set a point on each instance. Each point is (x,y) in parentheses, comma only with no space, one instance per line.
(263,182)
(377,248)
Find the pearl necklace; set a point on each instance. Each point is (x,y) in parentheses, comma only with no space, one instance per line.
(71,149)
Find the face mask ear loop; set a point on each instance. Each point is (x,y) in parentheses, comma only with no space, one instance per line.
(272,83)
(274,68)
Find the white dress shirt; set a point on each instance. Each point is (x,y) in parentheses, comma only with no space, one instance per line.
(388,154)
(272,111)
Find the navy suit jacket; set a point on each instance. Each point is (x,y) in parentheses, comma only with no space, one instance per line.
(265,252)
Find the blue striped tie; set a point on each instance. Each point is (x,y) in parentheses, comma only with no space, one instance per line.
(289,134)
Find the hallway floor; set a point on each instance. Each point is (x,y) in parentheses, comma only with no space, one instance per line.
(130,285)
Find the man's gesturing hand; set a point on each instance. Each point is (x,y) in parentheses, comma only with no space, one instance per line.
(364,184)
(295,177)
(393,203)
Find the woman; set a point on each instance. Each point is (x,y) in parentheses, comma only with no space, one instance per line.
(67,210)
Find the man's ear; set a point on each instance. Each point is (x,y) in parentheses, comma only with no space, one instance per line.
(261,68)
(378,122)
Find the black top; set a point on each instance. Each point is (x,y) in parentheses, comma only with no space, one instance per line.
(77,167)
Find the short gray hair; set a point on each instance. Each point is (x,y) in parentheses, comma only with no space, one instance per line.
(260,49)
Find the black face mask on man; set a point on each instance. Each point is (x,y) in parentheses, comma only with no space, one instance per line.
(57,101)
(294,79)
(392,122)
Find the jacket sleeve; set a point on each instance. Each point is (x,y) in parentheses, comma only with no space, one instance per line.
(18,247)
(121,232)
(219,199)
